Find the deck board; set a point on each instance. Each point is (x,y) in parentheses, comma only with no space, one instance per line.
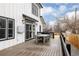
(30,48)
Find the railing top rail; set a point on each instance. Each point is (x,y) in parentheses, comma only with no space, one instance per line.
(64,45)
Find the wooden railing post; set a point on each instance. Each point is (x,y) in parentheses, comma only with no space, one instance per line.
(53,35)
(68,48)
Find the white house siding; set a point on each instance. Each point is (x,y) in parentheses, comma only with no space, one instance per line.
(33,16)
(15,11)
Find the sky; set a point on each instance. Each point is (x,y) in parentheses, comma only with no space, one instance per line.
(52,11)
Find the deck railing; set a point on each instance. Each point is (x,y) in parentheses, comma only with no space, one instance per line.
(64,46)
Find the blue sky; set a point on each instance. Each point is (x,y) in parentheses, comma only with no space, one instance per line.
(51,11)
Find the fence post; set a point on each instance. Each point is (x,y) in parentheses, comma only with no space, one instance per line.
(53,35)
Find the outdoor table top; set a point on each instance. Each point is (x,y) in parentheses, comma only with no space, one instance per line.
(42,35)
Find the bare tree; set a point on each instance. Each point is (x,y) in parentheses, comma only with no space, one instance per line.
(57,27)
(68,24)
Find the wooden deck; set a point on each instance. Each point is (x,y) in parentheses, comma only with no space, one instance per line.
(30,48)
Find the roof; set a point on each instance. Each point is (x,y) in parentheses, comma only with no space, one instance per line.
(29,18)
(40,5)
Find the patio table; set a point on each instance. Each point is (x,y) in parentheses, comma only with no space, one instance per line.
(44,36)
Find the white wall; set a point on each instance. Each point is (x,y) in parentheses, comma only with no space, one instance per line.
(15,11)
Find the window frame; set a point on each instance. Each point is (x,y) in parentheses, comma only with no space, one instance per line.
(6,30)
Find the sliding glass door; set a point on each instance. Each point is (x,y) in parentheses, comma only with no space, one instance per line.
(30,31)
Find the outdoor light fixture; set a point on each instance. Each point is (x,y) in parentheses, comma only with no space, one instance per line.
(23,21)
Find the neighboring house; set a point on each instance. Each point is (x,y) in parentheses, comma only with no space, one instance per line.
(43,23)
(18,22)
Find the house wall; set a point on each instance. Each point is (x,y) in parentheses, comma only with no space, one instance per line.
(41,25)
(15,11)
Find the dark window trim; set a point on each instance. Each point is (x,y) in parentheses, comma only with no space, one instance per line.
(7,20)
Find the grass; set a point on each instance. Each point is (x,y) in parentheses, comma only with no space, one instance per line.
(74,40)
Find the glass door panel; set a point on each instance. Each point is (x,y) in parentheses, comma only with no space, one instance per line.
(33,31)
(28,31)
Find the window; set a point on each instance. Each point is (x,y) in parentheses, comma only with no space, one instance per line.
(10,28)
(6,28)
(34,10)
(2,28)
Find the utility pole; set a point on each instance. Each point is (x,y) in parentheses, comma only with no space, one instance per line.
(75,18)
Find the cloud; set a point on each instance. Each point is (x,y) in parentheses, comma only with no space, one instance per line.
(58,12)
(62,8)
(46,10)
(72,14)
(49,11)
(55,12)
(75,6)
(52,23)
